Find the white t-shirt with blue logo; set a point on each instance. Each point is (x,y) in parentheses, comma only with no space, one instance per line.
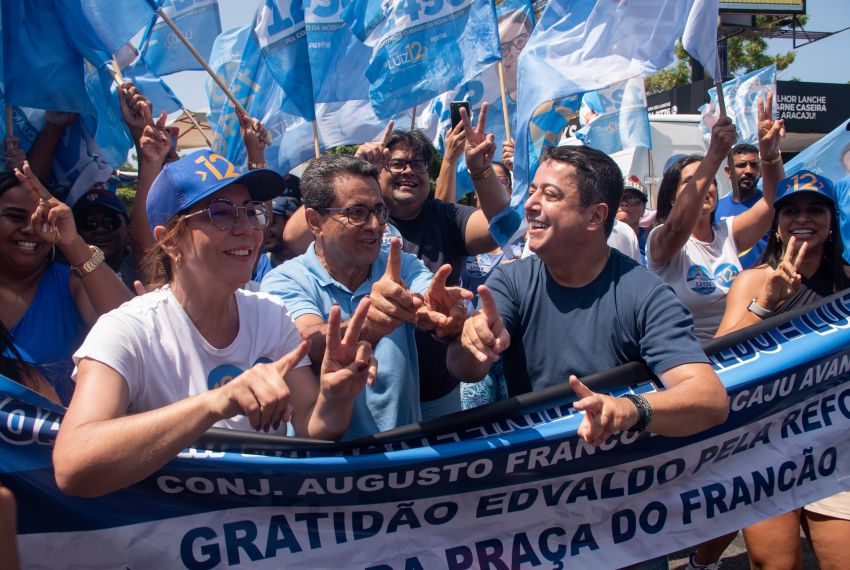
(701,274)
(154,345)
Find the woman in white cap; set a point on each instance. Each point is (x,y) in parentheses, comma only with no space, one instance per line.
(156,373)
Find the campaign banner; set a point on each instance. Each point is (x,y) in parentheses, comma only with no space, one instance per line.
(509,487)
(741,95)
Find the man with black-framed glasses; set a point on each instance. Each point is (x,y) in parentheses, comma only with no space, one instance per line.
(347,261)
(102,220)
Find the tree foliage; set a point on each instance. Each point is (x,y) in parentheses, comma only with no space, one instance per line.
(746,52)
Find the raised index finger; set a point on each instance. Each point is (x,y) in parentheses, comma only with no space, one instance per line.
(579,388)
(768,106)
(464,120)
(488,303)
(388,130)
(394,261)
(332,334)
(286,362)
(439,279)
(31,182)
(355,324)
(482,119)
(801,253)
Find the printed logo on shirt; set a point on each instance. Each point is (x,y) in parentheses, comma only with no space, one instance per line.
(477,267)
(725,274)
(390,231)
(700,281)
(221,375)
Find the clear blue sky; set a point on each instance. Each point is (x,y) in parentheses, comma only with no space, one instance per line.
(826,61)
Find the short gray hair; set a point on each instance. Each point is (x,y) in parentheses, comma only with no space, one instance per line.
(317,182)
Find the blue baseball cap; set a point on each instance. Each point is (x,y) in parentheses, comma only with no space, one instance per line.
(804,181)
(285,206)
(183,183)
(101,195)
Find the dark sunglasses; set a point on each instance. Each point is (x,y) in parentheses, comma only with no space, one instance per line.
(359,215)
(630,201)
(223,214)
(89,223)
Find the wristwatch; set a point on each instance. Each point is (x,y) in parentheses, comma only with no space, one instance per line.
(92,263)
(758,310)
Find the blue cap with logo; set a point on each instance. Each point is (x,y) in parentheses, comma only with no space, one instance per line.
(804,181)
(185,182)
(101,194)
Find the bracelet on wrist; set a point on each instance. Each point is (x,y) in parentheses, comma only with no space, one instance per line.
(256,165)
(92,263)
(758,310)
(644,412)
(772,161)
(481,175)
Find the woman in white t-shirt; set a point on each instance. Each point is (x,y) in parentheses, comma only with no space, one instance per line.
(695,255)
(156,373)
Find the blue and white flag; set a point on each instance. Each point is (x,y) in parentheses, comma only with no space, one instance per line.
(829,157)
(741,96)
(111,135)
(279,28)
(78,163)
(420,50)
(584,46)
(338,63)
(516,21)
(238,55)
(200,22)
(615,118)
(225,58)
(700,36)
(153,87)
(46,72)
(99,28)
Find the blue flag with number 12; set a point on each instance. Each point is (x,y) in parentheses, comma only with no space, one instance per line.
(421,49)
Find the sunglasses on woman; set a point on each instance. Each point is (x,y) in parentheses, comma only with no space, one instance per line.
(223,214)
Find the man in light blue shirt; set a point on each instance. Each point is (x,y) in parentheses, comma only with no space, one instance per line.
(346,263)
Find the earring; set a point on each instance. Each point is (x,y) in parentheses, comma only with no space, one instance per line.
(178,262)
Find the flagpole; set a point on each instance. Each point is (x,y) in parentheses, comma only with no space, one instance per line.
(413,119)
(316,138)
(504,105)
(119,78)
(236,105)
(730,158)
(191,117)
